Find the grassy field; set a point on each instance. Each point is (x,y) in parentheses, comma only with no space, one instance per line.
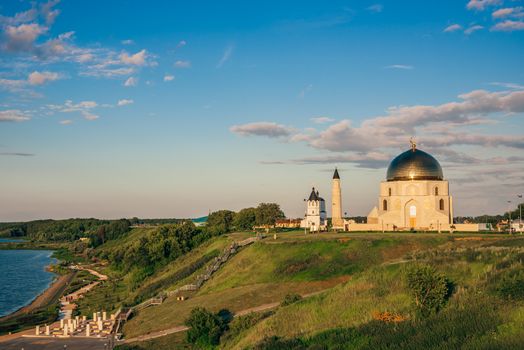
(268,270)
(362,275)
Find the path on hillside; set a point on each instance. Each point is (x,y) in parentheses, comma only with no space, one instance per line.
(178,329)
(66,302)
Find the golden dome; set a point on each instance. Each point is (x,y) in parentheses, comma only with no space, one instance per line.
(414,164)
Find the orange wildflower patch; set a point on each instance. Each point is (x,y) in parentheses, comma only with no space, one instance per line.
(387,316)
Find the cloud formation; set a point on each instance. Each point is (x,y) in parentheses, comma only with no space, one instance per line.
(13,115)
(137,59)
(473,29)
(168,77)
(376,8)
(439,128)
(508,12)
(508,26)
(131,81)
(40,78)
(267,129)
(480,5)
(322,120)
(225,56)
(399,66)
(452,28)
(182,64)
(124,102)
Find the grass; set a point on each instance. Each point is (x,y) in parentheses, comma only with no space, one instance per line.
(360,274)
(269,270)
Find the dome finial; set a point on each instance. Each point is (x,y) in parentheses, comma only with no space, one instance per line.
(413,144)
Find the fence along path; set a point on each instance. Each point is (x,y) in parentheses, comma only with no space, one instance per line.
(201,279)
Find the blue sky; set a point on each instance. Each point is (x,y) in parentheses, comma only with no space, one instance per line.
(172,109)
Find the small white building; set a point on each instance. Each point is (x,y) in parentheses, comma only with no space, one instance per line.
(315,219)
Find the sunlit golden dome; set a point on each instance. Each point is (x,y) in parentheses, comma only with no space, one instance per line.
(414,164)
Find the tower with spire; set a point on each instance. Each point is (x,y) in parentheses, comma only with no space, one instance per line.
(315,218)
(337,222)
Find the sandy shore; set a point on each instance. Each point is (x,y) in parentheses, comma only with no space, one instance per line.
(45,298)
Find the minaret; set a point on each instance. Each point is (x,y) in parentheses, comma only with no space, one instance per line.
(336,203)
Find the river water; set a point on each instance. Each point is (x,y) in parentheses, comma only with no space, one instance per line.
(23,277)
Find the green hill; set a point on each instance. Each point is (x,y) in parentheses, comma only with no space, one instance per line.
(363,297)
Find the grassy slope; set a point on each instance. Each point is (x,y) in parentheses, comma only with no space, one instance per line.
(267,271)
(481,320)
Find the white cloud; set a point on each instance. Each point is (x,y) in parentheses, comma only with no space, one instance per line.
(127,42)
(399,66)
(168,77)
(480,5)
(473,29)
(438,126)
(89,116)
(508,26)
(124,102)
(181,43)
(508,12)
(22,37)
(452,28)
(261,129)
(47,11)
(40,78)
(305,90)
(376,8)
(512,86)
(138,59)
(322,120)
(13,85)
(182,64)
(13,115)
(225,56)
(131,81)
(66,122)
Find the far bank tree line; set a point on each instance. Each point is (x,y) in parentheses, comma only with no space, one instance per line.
(224,221)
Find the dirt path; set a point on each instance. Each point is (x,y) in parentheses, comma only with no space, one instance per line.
(46,298)
(178,329)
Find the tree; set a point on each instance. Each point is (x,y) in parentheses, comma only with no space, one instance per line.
(268,213)
(205,327)
(220,222)
(245,219)
(429,288)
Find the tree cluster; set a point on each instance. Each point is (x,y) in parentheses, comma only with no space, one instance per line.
(224,221)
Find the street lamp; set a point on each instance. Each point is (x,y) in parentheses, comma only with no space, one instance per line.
(520,212)
(509,214)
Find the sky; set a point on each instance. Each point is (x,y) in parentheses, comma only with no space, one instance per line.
(175,108)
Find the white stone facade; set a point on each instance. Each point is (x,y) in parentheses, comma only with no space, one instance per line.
(315,218)
(413,204)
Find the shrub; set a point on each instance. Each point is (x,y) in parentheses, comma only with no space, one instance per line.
(243,323)
(291,299)
(205,327)
(429,288)
(511,285)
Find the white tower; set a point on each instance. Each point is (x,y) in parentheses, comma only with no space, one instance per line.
(336,203)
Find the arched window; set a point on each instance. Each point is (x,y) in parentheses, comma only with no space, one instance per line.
(441,204)
(385,205)
(389,191)
(436,191)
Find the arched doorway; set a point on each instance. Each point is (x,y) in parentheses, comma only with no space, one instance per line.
(410,211)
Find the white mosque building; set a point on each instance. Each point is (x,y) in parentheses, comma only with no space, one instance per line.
(414,196)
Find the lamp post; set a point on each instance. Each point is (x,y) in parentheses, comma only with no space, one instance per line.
(520,212)
(509,214)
